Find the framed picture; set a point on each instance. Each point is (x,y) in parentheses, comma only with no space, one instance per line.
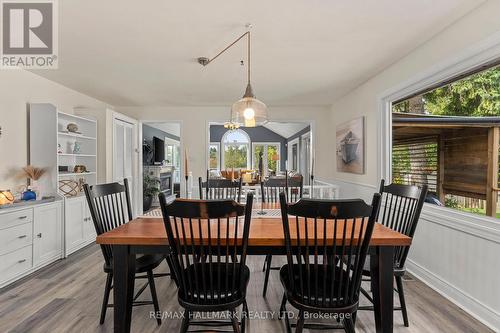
(351,146)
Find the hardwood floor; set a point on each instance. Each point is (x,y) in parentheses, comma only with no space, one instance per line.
(66,297)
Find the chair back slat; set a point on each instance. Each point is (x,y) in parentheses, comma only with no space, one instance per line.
(110,207)
(208,240)
(400,210)
(273,186)
(318,233)
(220,189)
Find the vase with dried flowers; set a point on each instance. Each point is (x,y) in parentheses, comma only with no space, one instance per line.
(34,174)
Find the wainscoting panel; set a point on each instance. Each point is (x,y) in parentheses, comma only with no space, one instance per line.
(457,254)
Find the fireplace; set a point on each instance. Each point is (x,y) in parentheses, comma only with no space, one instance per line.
(166,182)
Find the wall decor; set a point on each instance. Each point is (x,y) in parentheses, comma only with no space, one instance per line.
(69,188)
(350,139)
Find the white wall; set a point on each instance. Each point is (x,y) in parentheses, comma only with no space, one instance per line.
(455,253)
(17,89)
(194,127)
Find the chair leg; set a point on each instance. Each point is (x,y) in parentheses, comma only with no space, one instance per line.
(152,287)
(349,325)
(107,289)
(268,270)
(399,283)
(282,307)
(171,269)
(265,262)
(234,321)
(300,322)
(244,315)
(185,322)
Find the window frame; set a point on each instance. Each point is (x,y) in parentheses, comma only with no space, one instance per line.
(223,146)
(217,144)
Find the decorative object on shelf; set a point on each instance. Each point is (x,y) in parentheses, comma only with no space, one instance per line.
(34,174)
(63,168)
(72,128)
(350,146)
(80,169)
(77,148)
(28,195)
(59,149)
(81,182)
(150,190)
(69,188)
(248,111)
(6,197)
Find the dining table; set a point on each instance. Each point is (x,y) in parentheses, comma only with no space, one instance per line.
(147,235)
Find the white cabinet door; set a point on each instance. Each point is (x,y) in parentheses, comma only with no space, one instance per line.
(88,225)
(74,215)
(47,233)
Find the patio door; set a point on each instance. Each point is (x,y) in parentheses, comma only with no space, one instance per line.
(271,157)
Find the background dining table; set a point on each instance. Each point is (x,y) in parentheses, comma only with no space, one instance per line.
(147,235)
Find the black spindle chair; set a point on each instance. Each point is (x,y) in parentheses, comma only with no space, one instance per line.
(110,208)
(220,189)
(400,211)
(316,234)
(208,240)
(270,189)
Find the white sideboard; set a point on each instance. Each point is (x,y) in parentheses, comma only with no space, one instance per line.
(30,238)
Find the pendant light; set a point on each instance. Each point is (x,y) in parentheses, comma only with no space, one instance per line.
(248,111)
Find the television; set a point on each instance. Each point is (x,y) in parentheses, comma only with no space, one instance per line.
(159,150)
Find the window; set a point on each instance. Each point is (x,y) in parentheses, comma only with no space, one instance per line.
(214,156)
(448,138)
(236,150)
(293,155)
(270,157)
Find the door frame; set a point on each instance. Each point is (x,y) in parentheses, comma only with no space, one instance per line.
(265,144)
(140,169)
(290,154)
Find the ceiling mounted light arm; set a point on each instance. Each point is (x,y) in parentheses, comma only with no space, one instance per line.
(248,111)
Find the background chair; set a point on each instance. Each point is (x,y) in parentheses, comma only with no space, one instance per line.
(220,189)
(211,269)
(400,211)
(317,234)
(271,189)
(110,207)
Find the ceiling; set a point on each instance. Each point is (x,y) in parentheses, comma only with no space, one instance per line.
(286,130)
(170,128)
(304,52)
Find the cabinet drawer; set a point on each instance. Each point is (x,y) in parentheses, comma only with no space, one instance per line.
(16,237)
(15,263)
(8,220)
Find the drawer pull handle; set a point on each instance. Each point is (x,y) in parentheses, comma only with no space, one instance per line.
(21,261)
(39,235)
(22,217)
(22,236)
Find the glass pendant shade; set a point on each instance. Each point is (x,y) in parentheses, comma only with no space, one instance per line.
(249,111)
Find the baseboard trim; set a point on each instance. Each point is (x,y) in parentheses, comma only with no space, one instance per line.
(474,307)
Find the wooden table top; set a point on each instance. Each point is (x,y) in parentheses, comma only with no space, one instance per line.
(263,232)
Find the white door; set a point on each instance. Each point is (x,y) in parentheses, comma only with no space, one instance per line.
(47,243)
(125,154)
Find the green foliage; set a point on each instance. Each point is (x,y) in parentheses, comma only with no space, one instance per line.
(451,202)
(235,156)
(477,95)
(150,186)
(213,154)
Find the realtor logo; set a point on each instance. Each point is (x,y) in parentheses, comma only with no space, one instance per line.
(29,34)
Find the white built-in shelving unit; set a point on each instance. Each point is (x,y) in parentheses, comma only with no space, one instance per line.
(48,132)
